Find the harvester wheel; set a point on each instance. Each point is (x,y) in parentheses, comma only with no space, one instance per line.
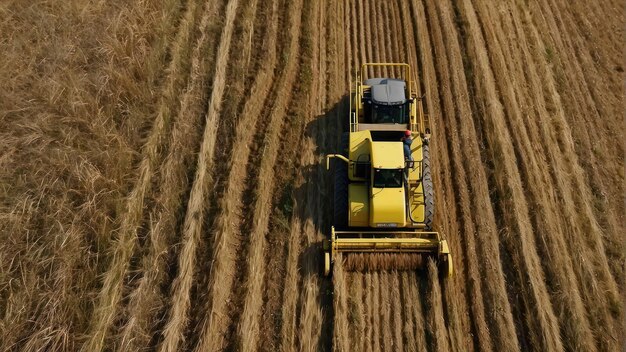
(445,266)
(341,187)
(326,263)
(429,193)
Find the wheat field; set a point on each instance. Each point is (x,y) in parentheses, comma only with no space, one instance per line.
(163,182)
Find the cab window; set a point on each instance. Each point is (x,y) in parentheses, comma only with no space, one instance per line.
(387,178)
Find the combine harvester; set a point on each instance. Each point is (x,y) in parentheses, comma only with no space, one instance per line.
(383,191)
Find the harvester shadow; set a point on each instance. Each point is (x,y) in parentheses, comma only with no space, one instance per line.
(315,192)
(314,199)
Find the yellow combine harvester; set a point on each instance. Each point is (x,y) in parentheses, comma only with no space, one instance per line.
(383,186)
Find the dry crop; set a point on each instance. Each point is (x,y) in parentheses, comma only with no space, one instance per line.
(163,187)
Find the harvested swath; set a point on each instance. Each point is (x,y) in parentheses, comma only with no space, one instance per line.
(248,329)
(311,317)
(309,327)
(475,250)
(456,307)
(311,314)
(356,310)
(526,106)
(371,30)
(568,304)
(574,226)
(436,326)
(576,329)
(144,300)
(227,228)
(341,330)
(384,261)
(192,228)
(586,86)
(480,217)
(288,329)
(541,319)
(361,32)
(354,40)
(386,335)
(463,188)
(410,282)
(592,98)
(397,310)
(409,314)
(374,292)
(290,317)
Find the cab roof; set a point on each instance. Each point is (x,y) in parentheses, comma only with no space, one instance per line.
(387,91)
(387,155)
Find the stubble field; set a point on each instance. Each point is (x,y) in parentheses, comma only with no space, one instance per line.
(163,187)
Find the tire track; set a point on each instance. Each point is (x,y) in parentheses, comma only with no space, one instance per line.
(310,313)
(288,328)
(383,43)
(345,325)
(348,37)
(192,228)
(406,48)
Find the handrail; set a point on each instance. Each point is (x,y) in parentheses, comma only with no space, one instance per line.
(339,156)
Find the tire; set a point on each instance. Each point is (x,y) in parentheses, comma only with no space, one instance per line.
(341,187)
(429,192)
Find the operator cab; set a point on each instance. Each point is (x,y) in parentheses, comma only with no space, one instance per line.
(386,101)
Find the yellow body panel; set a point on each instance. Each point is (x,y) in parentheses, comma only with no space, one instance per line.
(388,208)
(358,196)
(387,155)
(360,151)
